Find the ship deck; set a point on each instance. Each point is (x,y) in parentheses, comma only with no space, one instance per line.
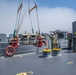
(57,65)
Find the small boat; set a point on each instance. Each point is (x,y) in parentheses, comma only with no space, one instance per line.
(28,38)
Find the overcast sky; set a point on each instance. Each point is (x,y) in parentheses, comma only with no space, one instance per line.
(53,15)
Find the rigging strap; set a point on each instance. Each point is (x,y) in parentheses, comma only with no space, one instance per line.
(30,17)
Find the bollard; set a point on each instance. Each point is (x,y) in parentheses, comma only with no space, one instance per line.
(56,52)
(47,53)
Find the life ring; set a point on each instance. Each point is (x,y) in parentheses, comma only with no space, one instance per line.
(15,43)
(10,50)
(39,43)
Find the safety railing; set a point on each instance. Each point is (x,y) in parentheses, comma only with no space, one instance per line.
(24,47)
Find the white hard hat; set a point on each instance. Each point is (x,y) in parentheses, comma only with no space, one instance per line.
(52,33)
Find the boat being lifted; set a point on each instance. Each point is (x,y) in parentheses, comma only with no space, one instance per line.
(28,38)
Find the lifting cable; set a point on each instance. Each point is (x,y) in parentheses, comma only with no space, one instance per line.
(21,21)
(37,17)
(30,17)
(18,15)
(39,42)
(39,38)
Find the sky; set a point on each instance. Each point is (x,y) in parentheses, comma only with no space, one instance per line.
(52,15)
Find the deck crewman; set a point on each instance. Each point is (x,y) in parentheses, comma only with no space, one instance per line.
(54,40)
(69,41)
(74,42)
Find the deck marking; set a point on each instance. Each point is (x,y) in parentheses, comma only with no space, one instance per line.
(20,55)
(2,57)
(70,63)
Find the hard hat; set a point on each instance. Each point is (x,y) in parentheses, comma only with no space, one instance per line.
(52,33)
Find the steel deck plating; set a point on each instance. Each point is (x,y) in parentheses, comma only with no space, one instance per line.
(57,65)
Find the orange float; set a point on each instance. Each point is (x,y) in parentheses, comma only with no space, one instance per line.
(40,42)
(15,42)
